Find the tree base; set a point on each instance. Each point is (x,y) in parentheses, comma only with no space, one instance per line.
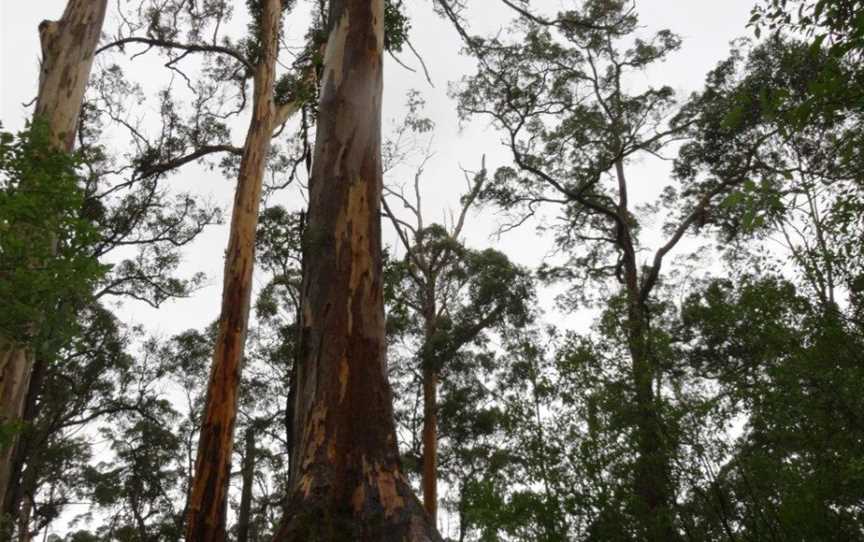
(309,519)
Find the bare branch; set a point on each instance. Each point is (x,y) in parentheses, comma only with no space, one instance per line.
(188,47)
(201,152)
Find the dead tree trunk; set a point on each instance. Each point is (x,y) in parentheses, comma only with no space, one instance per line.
(68,47)
(348,483)
(207,505)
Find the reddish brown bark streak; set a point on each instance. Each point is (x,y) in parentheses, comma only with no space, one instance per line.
(208,497)
(68,46)
(347,482)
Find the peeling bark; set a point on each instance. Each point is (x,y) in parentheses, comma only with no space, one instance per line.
(207,507)
(68,47)
(347,482)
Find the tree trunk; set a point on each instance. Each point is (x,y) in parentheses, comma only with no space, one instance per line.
(244,518)
(348,483)
(16,365)
(68,46)
(430,443)
(652,482)
(652,477)
(24,533)
(429,479)
(206,517)
(16,487)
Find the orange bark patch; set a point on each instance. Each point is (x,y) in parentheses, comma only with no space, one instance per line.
(358,218)
(388,494)
(306,485)
(318,432)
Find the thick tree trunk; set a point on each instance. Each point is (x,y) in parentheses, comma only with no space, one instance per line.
(68,46)
(16,487)
(206,517)
(16,365)
(348,483)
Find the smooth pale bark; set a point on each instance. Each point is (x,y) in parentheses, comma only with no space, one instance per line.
(207,506)
(68,47)
(347,482)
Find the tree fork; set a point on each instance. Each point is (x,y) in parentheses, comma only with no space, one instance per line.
(347,482)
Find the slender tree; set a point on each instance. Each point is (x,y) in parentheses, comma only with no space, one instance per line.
(68,47)
(208,498)
(450,296)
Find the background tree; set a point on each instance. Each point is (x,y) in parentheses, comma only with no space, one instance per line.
(572,128)
(208,499)
(67,48)
(447,296)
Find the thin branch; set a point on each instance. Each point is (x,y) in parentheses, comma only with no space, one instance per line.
(201,152)
(188,47)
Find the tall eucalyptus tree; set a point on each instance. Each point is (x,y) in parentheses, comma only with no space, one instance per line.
(346,481)
(209,496)
(68,47)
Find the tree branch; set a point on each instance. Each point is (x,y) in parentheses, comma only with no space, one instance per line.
(188,47)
